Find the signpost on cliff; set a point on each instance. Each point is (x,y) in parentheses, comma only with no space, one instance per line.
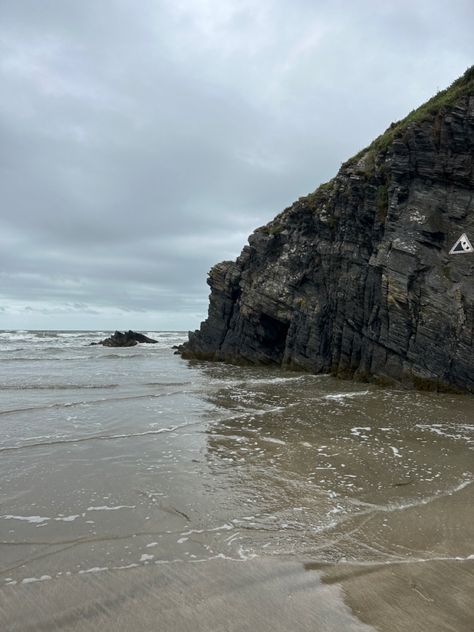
(462,246)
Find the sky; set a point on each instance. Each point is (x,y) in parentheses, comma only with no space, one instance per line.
(142,142)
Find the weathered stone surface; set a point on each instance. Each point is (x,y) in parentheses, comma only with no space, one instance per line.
(356,279)
(124,339)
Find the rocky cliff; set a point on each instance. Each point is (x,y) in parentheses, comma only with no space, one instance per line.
(356,278)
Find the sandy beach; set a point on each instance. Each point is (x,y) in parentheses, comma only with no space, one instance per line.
(262,595)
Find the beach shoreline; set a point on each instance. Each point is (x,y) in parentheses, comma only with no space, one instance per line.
(264,594)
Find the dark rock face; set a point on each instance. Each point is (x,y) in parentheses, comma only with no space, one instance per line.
(124,339)
(356,279)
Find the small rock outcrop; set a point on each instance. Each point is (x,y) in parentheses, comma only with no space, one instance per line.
(124,339)
(357,279)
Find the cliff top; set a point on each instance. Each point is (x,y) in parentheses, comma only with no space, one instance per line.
(374,153)
(461,87)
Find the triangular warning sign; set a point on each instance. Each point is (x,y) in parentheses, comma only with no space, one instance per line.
(462,246)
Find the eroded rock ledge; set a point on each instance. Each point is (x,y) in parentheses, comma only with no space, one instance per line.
(356,278)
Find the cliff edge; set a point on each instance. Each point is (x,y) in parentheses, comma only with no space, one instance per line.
(356,279)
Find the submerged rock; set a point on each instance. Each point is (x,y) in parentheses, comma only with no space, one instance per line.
(124,339)
(357,279)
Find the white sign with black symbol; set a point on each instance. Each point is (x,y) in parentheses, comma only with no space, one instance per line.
(462,246)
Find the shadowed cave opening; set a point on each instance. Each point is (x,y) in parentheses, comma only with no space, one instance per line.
(274,334)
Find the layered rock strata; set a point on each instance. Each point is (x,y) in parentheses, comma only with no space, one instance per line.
(357,279)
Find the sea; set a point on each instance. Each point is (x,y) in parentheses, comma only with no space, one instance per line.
(115,459)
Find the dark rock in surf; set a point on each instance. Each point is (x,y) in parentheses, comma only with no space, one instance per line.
(124,339)
(357,279)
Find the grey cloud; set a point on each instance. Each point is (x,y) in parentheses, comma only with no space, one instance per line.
(142,142)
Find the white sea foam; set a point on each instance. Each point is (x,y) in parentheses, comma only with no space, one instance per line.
(125,567)
(432,428)
(224,527)
(68,518)
(110,508)
(146,557)
(31,580)
(273,440)
(94,569)
(341,396)
(279,380)
(263,381)
(450,431)
(30,519)
(357,430)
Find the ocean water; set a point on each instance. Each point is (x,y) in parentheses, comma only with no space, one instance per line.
(115,459)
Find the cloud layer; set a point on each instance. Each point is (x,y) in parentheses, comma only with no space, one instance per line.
(143,142)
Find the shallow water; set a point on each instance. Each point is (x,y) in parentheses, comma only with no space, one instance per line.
(128,458)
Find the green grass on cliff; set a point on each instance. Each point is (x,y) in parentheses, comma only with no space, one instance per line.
(464,86)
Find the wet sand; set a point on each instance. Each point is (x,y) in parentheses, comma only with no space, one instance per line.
(418,577)
(139,492)
(260,595)
(433,596)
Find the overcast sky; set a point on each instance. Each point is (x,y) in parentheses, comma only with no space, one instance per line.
(142,141)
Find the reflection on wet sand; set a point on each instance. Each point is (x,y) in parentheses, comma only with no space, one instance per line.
(264,595)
